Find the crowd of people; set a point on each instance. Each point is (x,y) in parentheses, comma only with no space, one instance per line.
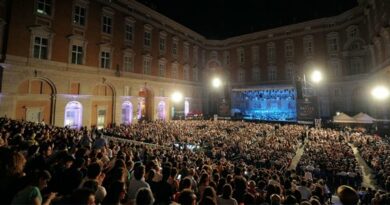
(376,152)
(190,162)
(328,156)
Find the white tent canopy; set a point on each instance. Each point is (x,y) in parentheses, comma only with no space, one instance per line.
(363,118)
(343,118)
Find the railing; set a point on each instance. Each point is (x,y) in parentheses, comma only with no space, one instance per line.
(118,139)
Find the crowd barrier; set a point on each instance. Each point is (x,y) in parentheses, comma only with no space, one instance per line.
(118,139)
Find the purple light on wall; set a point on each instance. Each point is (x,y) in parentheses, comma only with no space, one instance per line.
(161,110)
(127,112)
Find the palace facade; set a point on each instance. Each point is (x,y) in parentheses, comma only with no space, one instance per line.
(98,62)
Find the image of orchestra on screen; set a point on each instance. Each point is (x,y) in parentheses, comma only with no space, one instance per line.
(268,104)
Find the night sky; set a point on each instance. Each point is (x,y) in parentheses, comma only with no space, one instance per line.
(220,19)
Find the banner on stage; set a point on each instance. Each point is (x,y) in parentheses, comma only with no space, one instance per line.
(307,109)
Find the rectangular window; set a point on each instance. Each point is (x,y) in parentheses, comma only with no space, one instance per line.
(147,38)
(161,70)
(195,55)
(105,60)
(255,55)
(227,58)
(174,48)
(175,72)
(128,63)
(147,66)
(242,56)
(186,73)
(271,53)
(107,24)
(333,45)
(195,74)
(41,48)
(77,54)
(289,50)
(241,76)
(79,15)
(162,45)
(44,7)
(186,52)
(308,46)
(255,74)
(272,73)
(129,32)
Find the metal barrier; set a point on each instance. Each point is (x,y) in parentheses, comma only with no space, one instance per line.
(118,139)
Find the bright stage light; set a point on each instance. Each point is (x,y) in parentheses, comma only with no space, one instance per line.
(177,97)
(216,82)
(380,92)
(316,76)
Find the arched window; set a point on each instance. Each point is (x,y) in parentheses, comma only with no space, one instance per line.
(161,110)
(73,114)
(127,112)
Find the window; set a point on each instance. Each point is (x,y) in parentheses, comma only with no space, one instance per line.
(241,75)
(241,55)
(186,72)
(195,55)
(226,58)
(162,45)
(79,15)
(353,32)
(40,42)
(203,57)
(128,62)
(255,74)
(147,38)
(147,65)
(77,48)
(41,48)
(162,42)
(175,71)
(271,52)
(174,47)
(161,68)
(128,31)
(290,71)
(44,7)
(335,66)
(289,49)
(272,73)
(195,76)
(356,66)
(308,45)
(186,52)
(105,60)
(255,55)
(107,24)
(333,43)
(77,54)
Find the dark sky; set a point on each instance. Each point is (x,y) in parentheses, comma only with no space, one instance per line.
(219,19)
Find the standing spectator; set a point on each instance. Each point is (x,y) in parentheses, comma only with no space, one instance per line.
(136,183)
(31,194)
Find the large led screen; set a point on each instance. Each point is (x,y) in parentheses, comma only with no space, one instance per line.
(265,104)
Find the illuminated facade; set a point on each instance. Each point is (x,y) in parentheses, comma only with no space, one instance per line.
(97,62)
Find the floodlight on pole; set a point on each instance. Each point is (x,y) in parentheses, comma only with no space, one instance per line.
(177,97)
(380,92)
(316,76)
(216,82)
